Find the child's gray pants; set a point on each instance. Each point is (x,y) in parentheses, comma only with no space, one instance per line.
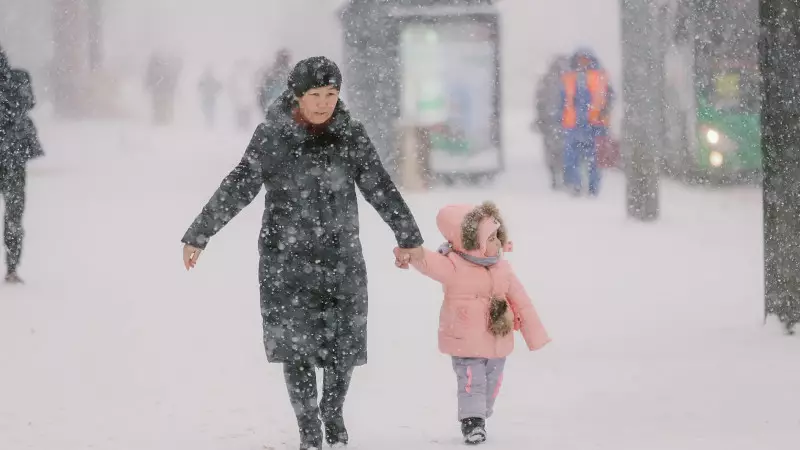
(479,381)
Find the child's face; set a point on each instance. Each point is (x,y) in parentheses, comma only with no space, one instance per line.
(492,245)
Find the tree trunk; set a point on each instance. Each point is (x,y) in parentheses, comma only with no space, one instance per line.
(780,129)
(643,106)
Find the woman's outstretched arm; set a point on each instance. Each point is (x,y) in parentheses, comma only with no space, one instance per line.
(235,192)
(379,190)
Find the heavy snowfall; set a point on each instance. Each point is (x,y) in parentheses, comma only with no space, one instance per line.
(659,337)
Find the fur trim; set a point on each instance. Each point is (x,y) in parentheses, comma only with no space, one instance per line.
(499,322)
(469,226)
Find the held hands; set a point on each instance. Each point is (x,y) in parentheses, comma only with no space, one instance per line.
(403,256)
(190,256)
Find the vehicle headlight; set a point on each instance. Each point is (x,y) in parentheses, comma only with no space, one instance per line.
(718,141)
(712,136)
(716,159)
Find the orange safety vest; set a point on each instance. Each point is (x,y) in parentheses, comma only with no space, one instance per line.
(598,88)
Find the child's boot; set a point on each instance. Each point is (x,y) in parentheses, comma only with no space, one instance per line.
(474,430)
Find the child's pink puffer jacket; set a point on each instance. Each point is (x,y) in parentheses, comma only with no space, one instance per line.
(468,287)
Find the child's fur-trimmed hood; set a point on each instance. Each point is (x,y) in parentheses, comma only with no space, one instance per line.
(460,225)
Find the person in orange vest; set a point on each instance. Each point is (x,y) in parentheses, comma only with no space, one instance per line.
(587,97)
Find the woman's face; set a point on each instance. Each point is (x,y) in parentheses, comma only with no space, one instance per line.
(317,104)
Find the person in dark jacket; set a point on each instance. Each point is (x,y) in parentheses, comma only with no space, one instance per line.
(274,79)
(18,145)
(310,155)
(209,88)
(549,107)
(161,82)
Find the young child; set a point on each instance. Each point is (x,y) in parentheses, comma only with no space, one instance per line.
(483,303)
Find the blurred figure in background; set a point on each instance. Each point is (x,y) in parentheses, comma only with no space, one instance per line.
(240,90)
(19,144)
(161,80)
(209,88)
(549,107)
(274,79)
(587,96)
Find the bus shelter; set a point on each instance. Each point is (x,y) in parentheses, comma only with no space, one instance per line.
(424,77)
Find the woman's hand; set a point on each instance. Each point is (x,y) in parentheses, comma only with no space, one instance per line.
(190,256)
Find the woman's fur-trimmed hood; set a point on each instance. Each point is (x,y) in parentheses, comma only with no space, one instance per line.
(460,225)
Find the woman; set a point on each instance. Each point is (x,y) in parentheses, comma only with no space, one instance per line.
(310,155)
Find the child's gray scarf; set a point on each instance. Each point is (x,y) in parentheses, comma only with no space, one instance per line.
(484,261)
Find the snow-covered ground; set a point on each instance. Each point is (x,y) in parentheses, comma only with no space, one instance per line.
(658,339)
